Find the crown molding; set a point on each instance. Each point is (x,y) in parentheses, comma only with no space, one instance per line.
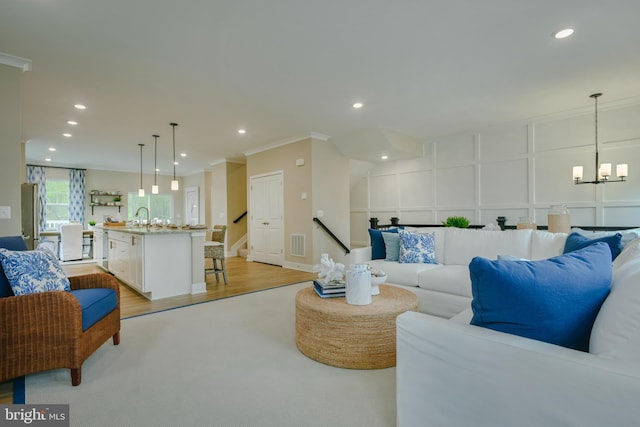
(313,135)
(15,61)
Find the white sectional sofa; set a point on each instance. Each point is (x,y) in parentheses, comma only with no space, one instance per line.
(451,373)
(444,289)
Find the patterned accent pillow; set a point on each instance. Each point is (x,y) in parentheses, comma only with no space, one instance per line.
(30,272)
(417,248)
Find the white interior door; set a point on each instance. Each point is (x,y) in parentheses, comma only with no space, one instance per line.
(266,211)
(191,206)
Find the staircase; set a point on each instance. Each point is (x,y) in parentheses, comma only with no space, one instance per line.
(240,247)
(243,252)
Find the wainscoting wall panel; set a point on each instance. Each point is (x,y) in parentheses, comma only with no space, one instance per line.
(418,217)
(512,170)
(455,186)
(415,189)
(623,152)
(456,150)
(492,180)
(566,132)
(507,142)
(384,191)
(553,177)
(359,193)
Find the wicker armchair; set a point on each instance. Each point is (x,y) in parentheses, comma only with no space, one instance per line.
(43,331)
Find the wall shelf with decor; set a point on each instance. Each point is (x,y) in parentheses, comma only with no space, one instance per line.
(109,199)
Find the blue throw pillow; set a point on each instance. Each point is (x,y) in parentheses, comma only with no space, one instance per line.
(29,272)
(391,246)
(378,250)
(417,248)
(577,241)
(554,300)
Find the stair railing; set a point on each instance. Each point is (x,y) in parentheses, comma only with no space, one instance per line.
(235,221)
(333,236)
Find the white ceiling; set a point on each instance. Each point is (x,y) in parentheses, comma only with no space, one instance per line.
(286,68)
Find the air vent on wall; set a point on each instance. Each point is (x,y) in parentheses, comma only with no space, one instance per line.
(297,245)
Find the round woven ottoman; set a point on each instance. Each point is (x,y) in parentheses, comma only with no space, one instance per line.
(351,336)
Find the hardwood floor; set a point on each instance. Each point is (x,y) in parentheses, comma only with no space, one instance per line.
(243,277)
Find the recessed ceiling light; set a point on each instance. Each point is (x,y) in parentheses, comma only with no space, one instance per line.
(183,154)
(72,122)
(157,169)
(80,107)
(176,163)
(563,33)
(52,149)
(384,157)
(47,159)
(357,105)
(67,134)
(242,131)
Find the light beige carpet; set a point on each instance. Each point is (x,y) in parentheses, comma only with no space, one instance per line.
(230,362)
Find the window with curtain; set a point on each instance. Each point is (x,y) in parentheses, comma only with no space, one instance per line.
(62,195)
(160,206)
(57,211)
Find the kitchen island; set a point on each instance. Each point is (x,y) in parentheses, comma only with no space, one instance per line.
(156,262)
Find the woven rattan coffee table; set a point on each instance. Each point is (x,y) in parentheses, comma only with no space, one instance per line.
(351,336)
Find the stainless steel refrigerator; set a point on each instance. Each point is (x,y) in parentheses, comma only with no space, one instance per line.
(30,215)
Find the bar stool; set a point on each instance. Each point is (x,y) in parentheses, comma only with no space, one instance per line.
(214,249)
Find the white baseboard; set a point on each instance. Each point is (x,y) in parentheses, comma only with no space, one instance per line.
(198,288)
(297,266)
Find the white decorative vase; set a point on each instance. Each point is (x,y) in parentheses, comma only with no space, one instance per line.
(358,285)
(376,281)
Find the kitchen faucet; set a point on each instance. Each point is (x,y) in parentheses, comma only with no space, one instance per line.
(147,210)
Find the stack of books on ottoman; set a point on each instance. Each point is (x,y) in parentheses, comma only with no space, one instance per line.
(332,289)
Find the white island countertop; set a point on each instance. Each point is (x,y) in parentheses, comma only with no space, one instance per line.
(142,229)
(157,262)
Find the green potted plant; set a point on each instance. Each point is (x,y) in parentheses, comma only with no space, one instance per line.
(117,200)
(456,221)
(91,224)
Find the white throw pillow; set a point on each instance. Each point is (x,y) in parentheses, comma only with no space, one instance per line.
(627,235)
(616,331)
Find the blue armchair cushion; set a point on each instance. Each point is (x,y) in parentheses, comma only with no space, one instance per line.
(29,272)
(13,243)
(554,300)
(96,303)
(378,250)
(577,241)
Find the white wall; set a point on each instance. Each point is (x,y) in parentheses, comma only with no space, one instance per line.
(330,172)
(219,195)
(513,170)
(11,163)
(125,182)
